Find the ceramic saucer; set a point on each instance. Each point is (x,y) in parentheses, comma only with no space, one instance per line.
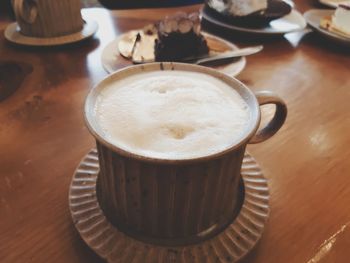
(13,34)
(115,55)
(232,244)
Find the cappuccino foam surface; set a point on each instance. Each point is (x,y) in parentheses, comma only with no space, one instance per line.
(171,114)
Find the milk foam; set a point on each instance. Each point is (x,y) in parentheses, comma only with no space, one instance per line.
(171,114)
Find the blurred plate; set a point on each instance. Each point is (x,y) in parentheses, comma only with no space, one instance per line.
(13,34)
(117,53)
(294,21)
(334,3)
(313,18)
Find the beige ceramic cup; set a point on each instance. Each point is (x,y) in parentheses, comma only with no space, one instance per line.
(48,18)
(176,202)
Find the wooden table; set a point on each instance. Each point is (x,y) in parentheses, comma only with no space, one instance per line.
(43,137)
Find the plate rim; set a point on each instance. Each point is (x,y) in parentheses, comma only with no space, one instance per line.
(252,30)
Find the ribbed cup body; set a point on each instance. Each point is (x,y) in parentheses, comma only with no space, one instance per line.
(169,203)
(55,18)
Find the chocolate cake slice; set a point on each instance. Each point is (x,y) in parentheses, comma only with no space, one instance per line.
(179,37)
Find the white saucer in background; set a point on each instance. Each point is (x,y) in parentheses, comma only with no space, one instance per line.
(292,22)
(313,18)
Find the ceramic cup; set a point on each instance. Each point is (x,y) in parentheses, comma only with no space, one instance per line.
(175,202)
(48,18)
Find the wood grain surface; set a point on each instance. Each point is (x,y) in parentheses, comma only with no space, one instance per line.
(43,137)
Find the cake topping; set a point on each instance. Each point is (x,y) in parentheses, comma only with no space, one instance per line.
(180,22)
(179,37)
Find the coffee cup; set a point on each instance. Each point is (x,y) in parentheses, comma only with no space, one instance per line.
(174,197)
(48,18)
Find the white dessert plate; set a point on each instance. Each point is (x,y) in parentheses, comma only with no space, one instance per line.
(112,55)
(334,3)
(294,21)
(313,18)
(13,34)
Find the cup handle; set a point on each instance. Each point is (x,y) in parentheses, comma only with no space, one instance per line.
(268,97)
(29,16)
